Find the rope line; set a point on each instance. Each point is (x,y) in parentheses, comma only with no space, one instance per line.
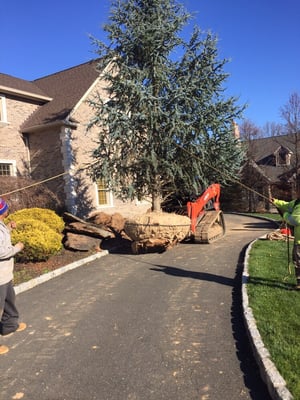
(222,173)
(80,168)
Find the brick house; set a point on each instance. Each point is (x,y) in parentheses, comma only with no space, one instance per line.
(271,170)
(43,135)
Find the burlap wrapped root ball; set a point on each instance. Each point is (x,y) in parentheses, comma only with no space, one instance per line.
(161,226)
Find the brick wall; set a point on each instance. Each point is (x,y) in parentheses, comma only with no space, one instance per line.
(54,151)
(12,145)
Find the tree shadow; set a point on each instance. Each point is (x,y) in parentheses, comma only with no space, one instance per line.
(253,381)
(254,226)
(203,276)
(260,225)
(255,280)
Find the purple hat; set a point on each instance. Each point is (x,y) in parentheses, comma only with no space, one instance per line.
(3,206)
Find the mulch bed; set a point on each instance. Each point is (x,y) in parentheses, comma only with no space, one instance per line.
(30,270)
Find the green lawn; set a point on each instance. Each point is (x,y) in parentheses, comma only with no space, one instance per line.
(276,308)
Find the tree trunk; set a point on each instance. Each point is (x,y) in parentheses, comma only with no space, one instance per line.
(156,202)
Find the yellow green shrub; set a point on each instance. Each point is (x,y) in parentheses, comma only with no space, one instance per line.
(39,230)
(40,241)
(45,215)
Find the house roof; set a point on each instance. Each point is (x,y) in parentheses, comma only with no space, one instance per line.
(261,149)
(63,90)
(273,173)
(12,85)
(66,88)
(264,147)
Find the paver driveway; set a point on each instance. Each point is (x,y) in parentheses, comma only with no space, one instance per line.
(139,327)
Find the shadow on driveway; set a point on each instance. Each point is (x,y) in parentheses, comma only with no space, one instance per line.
(253,381)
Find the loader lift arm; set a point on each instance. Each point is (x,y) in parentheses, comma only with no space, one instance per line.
(206,225)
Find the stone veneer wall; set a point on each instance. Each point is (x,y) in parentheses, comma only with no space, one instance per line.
(46,159)
(83,143)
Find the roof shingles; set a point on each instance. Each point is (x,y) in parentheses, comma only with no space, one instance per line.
(65,88)
(20,85)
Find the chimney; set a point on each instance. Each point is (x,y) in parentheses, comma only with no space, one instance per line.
(236,131)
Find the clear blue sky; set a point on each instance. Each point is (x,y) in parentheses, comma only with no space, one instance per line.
(260,37)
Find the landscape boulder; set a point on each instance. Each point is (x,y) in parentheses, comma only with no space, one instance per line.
(81,235)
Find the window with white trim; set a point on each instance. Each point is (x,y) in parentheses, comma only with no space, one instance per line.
(7,168)
(3,114)
(103,193)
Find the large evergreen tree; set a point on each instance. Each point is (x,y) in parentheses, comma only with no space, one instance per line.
(165,124)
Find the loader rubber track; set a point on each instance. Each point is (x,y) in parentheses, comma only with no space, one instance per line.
(210,228)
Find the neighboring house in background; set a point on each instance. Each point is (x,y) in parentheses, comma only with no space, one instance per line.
(271,169)
(43,135)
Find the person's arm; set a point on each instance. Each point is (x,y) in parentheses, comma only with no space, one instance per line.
(7,250)
(281,204)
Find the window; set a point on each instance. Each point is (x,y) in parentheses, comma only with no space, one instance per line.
(7,168)
(3,115)
(283,157)
(104,194)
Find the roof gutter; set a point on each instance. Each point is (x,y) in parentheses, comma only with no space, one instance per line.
(57,124)
(22,93)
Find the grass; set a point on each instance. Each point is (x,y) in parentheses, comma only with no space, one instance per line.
(276,308)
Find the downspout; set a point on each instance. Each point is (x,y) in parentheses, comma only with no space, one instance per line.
(27,150)
(68,165)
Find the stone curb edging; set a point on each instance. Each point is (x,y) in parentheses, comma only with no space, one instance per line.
(268,371)
(52,274)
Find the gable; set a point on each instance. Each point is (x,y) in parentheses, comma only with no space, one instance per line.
(264,149)
(65,88)
(274,157)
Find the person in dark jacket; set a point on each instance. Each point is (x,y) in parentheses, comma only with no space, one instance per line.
(9,315)
(290,211)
